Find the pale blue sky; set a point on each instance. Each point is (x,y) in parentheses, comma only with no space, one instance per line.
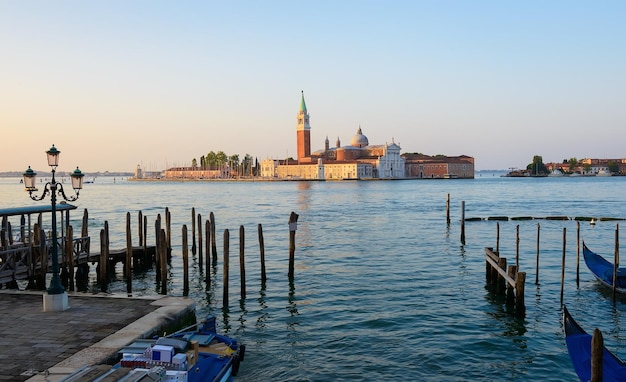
(114,84)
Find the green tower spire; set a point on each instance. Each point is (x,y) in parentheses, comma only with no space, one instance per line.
(302,103)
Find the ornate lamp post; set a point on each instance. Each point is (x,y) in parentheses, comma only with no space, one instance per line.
(52,187)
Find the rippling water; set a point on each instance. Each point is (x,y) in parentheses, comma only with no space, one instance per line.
(383,287)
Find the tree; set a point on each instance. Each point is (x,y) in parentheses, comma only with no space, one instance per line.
(220,158)
(211,161)
(613,167)
(537,167)
(194,163)
(247,164)
(573,162)
(233,162)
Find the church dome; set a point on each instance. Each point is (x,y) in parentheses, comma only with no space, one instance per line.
(359,140)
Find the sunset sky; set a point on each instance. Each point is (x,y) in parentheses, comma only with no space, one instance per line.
(114,84)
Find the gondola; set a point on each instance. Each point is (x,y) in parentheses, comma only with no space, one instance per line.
(603,270)
(579,348)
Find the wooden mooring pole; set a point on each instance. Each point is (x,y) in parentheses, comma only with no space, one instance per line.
(563,263)
(207,230)
(200,265)
(102,264)
(163,249)
(517,246)
(193,230)
(226,265)
(448,210)
(537,270)
(129,257)
(242,263)
(262,250)
(293,226)
(463,222)
(185,263)
(498,237)
(597,350)
(506,279)
(213,239)
(616,262)
(577,254)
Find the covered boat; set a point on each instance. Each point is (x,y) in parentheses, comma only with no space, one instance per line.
(199,355)
(603,270)
(579,348)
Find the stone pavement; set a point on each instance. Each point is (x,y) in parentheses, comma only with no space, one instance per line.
(43,345)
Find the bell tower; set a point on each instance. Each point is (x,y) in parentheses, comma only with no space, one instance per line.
(303,130)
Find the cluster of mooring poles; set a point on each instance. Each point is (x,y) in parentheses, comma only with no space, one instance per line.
(510,279)
(138,258)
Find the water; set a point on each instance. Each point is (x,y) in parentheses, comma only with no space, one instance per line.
(383,288)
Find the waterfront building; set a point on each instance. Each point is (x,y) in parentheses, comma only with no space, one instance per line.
(360,160)
(592,166)
(357,160)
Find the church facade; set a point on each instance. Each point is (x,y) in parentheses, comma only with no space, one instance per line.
(358,160)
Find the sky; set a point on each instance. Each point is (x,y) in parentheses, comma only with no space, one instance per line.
(115,84)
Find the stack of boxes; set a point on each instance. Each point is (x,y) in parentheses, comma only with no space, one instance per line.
(158,358)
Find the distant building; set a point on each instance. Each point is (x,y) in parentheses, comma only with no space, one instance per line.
(589,166)
(360,160)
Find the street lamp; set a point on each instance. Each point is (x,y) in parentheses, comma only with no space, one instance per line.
(52,187)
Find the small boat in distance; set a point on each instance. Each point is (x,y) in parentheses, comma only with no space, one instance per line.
(603,270)
(579,348)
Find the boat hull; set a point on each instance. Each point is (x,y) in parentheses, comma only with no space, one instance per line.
(579,348)
(603,270)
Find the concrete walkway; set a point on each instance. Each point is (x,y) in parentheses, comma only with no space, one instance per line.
(47,346)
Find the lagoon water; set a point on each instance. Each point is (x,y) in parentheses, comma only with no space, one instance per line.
(383,287)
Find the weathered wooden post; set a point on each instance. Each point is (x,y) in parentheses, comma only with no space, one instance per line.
(141,238)
(597,350)
(140,227)
(147,260)
(200,241)
(107,242)
(168,226)
(510,289)
(128,266)
(616,262)
(537,272)
(85,224)
(262,250)
(163,260)
(578,254)
(69,248)
(207,231)
(213,238)
(500,287)
(193,230)
(293,226)
(448,210)
(158,243)
(520,281)
(102,263)
(463,222)
(498,237)
(517,246)
(226,265)
(242,263)
(563,264)
(185,263)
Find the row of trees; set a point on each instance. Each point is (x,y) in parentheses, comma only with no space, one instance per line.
(215,161)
